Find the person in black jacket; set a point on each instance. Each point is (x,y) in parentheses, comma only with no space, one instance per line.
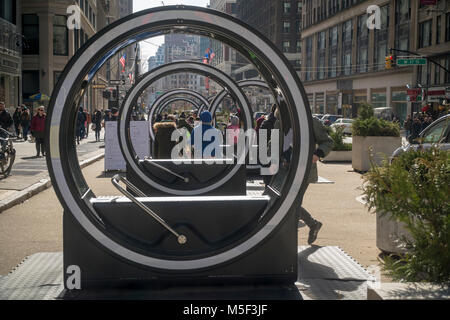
(81,119)
(97,121)
(16,120)
(5,118)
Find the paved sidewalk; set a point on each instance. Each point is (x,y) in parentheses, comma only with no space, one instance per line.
(29,174)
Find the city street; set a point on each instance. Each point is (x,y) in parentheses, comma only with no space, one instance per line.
(36,225)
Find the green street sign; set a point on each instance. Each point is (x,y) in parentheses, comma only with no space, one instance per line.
(411,62)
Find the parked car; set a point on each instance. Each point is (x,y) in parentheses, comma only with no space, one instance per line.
(437,133)
(318,116)
(329,119)
(344,123)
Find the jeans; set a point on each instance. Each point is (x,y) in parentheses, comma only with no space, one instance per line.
(97,135)
(25,129)
(306,217)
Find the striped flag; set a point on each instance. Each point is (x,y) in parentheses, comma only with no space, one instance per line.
(130,75)
(122,61)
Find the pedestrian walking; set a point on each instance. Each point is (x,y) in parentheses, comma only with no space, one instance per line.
(16,120)
(407,124)
(6,120)
(25,119)
(416,129)
(81,119)
(324,144)
(97,124)
(88,123)
(38,130)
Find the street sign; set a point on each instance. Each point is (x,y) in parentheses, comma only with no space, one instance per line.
(411,61)
(117,82)
(99,86)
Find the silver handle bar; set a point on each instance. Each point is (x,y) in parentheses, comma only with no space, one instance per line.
(115,181)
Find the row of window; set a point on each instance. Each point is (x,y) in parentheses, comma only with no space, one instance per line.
(287,26)
(287,7)
(30,31)
(86,8)
(319,10)
(343,64)
(425,31)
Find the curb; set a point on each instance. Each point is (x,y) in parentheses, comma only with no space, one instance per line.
(43,184)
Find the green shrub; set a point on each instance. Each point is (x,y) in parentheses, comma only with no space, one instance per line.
(415,190)
(368,125)
(338,138)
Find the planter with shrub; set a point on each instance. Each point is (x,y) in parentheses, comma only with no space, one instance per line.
(372,137)
(413,191)
(342,152)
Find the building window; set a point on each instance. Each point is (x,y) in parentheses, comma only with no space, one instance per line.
(402,24)
(425,34)
(438,29)
(298,48)
(347,35)
(321,49)
(363,43)
(447,27)
(60,36)
(332,62)
(8,10)
(379,99)
(286,45)
(30,83)
(437,74)
(309,65)
(298,26)
(287,7)
(299,7)
(382,39)
(30,29)
(447,66)
(286,26)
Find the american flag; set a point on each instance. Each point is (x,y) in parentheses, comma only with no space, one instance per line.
(122,60)
(130,75)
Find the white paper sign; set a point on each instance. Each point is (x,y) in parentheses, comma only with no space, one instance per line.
(140,138)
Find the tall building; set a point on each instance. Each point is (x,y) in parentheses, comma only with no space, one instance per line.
(344,60)
(10,53)
(279,20)
(179,47)
(49,44)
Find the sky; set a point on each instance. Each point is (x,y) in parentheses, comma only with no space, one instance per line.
(147,49)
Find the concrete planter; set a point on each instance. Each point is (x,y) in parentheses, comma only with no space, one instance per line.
(381,146)
(389,234)
(338,156)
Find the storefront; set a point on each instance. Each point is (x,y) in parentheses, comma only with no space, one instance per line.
(332,103)
(399,103)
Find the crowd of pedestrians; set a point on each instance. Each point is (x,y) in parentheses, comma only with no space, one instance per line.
(415,125)
(23,123)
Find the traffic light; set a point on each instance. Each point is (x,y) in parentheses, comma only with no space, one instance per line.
(390,62)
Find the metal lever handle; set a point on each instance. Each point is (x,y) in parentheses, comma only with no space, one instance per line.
(186,180)
(115,181)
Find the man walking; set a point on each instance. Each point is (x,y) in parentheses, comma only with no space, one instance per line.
(324,145)
(5,118)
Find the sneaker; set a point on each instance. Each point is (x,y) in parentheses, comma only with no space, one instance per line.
(313,232)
